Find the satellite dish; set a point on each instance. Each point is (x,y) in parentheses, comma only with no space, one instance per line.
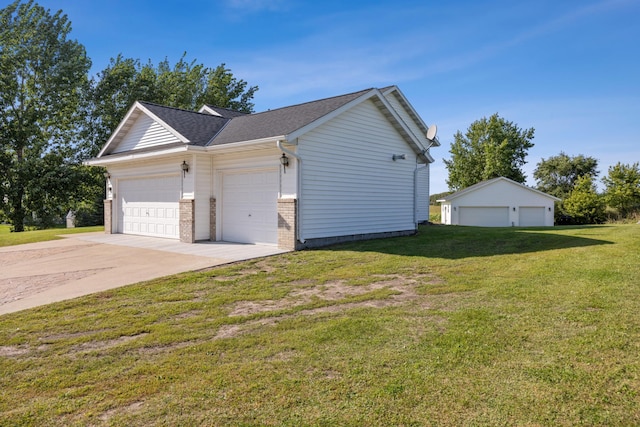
(431,132)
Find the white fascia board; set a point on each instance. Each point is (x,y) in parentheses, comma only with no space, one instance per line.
(414,141)
(242,144)
(483,184)
(132,155)
(163,124)
(412,112)
(207,110)
(118,129)
(137,106)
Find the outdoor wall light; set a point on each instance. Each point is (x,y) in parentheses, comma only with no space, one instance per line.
(398,157)
(454,208)
(285,162)
(107,175)
(514,208)
(185,168)
(549,209)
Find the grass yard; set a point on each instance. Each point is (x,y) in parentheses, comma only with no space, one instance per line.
(454,326)
(7,238)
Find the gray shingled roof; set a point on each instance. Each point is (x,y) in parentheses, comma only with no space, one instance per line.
(226,113)
(198,128)
(282,121)
(205,129)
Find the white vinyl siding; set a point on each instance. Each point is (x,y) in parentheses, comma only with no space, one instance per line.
(532,216)
(406,118)
(201,169)
(145,133)
(484,216)
(351,185)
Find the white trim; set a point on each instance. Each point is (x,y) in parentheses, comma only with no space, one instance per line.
(412,111)
(483,184)
(138,106)
(205,109)
(163,124)
(129,156)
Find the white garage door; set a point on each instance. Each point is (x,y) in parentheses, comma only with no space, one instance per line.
(249,207)
(484,216)
(531,216)
(149,207)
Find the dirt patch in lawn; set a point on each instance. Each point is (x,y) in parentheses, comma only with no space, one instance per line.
(340,293)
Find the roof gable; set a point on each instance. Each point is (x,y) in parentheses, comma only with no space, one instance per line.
(491,182)
(214,126)
(409,115)
(187,127)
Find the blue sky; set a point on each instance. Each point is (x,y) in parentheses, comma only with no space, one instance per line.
(570,69)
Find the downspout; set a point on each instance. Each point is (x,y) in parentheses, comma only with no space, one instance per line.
(415,192)
(298,188)
(415,184)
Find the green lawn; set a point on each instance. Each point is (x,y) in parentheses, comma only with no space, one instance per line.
(7,238)
(455,326)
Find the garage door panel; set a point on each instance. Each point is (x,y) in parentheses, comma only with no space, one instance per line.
(490,216)
(531,216)
(149,206)
(249,207)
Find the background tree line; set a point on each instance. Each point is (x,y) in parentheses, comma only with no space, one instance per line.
(54,115)
(493,147)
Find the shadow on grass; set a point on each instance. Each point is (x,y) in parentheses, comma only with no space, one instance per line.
(455,242)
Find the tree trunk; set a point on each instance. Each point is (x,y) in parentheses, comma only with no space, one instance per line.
(17,214)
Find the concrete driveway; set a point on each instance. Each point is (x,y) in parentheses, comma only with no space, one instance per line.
(80,264)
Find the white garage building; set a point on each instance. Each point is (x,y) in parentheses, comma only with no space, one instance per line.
(349,167)
(498,202)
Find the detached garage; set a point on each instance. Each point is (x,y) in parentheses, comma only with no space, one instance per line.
(498,202)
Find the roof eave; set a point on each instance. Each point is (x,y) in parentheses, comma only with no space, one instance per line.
(133,155)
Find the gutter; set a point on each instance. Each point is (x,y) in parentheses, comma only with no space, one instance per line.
(298,188)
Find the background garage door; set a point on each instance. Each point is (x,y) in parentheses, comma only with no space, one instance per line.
(531,216)
(484,216)
(149,207)
(249,207)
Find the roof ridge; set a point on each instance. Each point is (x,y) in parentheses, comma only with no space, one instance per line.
(225,108)
(177,108)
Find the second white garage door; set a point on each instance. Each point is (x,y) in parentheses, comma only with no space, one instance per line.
(484,216)
(531,216)
(250,207)
(149,206)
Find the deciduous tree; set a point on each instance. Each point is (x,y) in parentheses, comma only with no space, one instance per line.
(584,204)
(557,175)
(490,148)
(43,77)
(622,188)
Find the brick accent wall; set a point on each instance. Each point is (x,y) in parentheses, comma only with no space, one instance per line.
(108,218)
(212,219)
(187,221)
(287,216)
